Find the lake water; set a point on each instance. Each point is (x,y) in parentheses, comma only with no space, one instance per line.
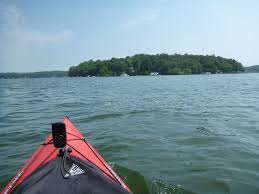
(161,134)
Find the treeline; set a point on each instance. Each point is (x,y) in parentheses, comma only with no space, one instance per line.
(164,64)
(252,69)
(42,74)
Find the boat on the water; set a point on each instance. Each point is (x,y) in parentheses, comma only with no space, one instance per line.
(66,163)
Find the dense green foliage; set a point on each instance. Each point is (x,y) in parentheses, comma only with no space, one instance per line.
(252,69)
(41,74)
(164,64)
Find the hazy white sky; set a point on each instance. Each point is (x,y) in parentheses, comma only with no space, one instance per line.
(48,35)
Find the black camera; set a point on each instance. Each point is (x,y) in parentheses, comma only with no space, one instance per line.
(59,135)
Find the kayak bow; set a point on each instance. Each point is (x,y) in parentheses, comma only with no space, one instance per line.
(83,165)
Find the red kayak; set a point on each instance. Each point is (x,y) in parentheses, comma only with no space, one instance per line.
(75,168)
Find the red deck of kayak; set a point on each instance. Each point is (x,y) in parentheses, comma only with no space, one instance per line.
(46,152)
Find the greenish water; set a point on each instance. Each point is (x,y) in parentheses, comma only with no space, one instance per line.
(164,134)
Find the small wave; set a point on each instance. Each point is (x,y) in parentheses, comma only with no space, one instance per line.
(209,131)
(70,104)
(137,112)
(99,117)
(160,187)
(205,130)
(111,148)
(113,115)
(139,184)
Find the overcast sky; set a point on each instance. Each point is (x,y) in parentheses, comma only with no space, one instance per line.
(54,35)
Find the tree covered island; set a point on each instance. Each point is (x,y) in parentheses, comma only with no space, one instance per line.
(163,64)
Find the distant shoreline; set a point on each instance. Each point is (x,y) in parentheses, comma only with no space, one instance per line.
(145,65)
(25,75)
(40,74)
(252,69)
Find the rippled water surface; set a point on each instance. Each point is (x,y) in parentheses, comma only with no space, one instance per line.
(164,134)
